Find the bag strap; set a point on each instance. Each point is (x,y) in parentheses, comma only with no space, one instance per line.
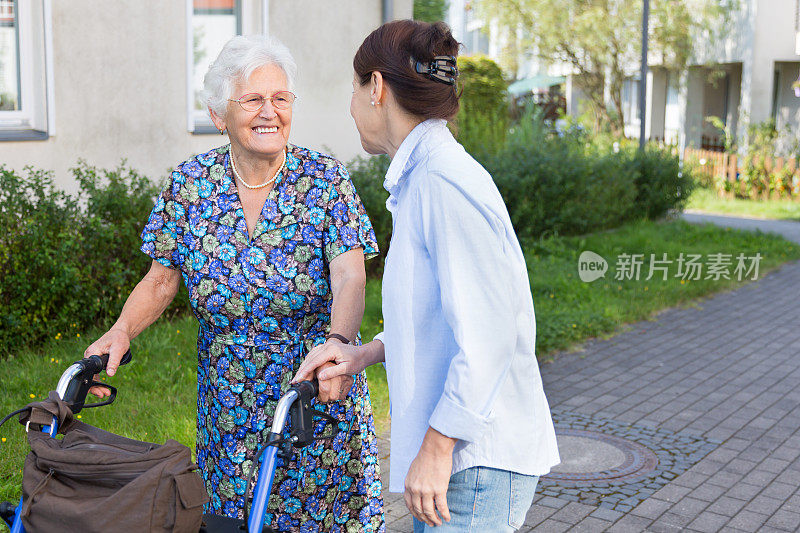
(42,413)
(26,507)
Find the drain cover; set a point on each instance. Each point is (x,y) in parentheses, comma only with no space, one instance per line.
(592,457)
(616,465)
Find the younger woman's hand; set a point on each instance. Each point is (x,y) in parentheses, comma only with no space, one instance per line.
(347,360)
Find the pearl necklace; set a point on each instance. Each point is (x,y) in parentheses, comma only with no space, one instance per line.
(262,185)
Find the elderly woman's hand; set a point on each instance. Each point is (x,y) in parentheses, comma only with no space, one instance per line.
(334,389)
(115,342)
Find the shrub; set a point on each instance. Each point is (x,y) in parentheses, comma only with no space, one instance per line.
(69,262)
(40,287)
(430,10)
(554,183)
(482,121)
(563,183)
(761,175)
(661,184)
(367,174)
(552,186)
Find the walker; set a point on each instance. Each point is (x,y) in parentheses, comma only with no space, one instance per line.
(295,405)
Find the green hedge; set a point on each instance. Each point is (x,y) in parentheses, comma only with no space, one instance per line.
(68,262)
(563,184)
(483,118)
(367,174)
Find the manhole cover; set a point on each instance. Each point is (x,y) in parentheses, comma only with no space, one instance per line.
(617,465)
(590,456)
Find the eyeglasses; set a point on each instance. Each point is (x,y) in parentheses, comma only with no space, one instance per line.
(254,101)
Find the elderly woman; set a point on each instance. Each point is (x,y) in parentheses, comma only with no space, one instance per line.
(270,239)
(471,428)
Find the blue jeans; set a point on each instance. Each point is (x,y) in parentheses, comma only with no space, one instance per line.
(483,500)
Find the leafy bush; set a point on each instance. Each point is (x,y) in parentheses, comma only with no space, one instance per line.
(482,121)
(562,183)
(69,262)
(760,175)
(554,183)
(430,10)
(661,183)
(367,174)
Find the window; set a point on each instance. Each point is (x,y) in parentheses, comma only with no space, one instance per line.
(776,94)
(672,111)
(212,23)
(9,57)
(797,28)
(24,72)
(631,113)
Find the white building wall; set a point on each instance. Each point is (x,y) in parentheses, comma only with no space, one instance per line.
(673,123)
(120,81)
(761,34)
(773,40)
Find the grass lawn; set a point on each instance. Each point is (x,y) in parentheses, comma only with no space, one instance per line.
(708,201)
(157,390)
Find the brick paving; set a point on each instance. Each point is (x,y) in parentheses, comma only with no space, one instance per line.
(726,371)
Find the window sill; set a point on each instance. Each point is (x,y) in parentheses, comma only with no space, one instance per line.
(23,135)
(205,130)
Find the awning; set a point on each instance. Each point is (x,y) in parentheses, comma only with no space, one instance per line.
(540,81)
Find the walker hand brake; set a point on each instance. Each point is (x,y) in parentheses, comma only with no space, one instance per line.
(302,417)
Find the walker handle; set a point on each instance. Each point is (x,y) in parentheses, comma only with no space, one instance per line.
(80,380)
(98,363)
(310,388)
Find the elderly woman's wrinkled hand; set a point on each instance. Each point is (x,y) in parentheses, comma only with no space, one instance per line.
(115,342)
(334,389)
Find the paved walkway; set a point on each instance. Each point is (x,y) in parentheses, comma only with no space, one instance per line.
(788,229)
(721,380)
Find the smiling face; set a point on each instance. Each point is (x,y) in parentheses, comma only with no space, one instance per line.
(261,134)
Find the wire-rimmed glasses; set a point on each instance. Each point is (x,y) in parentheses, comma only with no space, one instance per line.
(253,101)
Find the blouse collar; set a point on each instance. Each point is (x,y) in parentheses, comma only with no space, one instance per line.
(407,155)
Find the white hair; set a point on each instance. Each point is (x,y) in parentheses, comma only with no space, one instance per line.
(238,59)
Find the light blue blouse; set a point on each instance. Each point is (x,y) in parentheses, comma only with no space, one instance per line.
(459,326)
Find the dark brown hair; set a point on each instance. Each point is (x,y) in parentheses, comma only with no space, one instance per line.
(391,49)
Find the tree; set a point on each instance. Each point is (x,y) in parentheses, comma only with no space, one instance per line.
(601,39)
(430,10)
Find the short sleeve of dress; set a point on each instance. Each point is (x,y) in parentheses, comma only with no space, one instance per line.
(160,235)
(347,225)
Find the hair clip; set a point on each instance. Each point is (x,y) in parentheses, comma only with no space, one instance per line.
(442,69)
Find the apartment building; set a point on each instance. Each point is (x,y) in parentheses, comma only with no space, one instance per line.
(104,80)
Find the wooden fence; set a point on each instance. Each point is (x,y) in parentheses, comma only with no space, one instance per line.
(711,163)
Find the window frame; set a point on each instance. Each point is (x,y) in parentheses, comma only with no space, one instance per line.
(197,121)
(34,120)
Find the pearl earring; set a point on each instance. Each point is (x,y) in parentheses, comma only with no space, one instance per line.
(372,102)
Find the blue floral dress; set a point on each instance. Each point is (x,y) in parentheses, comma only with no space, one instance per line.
(262,302)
